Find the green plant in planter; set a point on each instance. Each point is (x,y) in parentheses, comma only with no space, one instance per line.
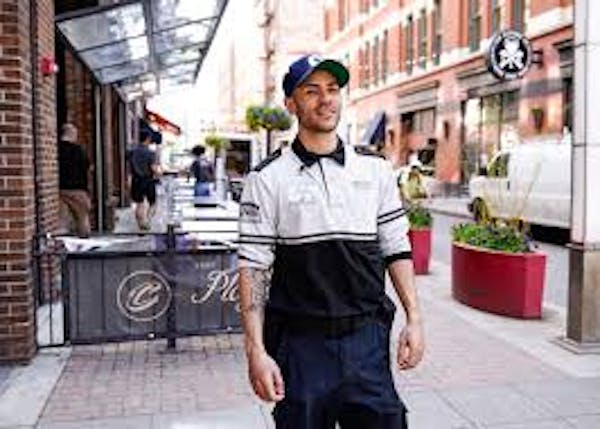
(269,119)
(419,217)
(216,142)
(504,238)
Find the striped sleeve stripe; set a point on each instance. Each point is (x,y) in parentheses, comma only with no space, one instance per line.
(390,219)
(256,239)
(384,216)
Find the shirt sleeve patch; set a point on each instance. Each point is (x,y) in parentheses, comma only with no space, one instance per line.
(249,213)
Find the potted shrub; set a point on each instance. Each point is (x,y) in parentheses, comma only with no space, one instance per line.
(495,268)
(419,235)
(267,118)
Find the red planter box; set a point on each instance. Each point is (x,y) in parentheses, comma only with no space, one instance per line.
(511,284)
(420,241)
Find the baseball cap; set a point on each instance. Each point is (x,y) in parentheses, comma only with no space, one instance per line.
(300,69)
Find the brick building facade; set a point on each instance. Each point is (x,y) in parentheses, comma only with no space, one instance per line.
(422,62)
(28,166)
(32,106)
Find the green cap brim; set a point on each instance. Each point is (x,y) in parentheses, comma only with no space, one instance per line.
(337,69)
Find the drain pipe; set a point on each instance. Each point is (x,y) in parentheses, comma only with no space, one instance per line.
(34,48)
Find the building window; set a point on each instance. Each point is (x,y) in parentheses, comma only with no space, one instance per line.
(474,25)
(347,63)
(518,15)
(342,14)
(409,45)
(424,121)
(436,33)
(495,16)
(400,47)
(367,64)
(422,42)
(375,61)
(568,103)
(384,56)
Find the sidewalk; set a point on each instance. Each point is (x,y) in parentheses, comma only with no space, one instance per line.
(453,206)
(480,371)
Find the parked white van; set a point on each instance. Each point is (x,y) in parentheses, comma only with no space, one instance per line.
(531,181)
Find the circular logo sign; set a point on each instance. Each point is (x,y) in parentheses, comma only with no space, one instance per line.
(143,296)
(510,55)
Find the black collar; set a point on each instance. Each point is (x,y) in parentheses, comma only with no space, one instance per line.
(309,158)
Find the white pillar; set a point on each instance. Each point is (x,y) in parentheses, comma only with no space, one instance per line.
(583,325)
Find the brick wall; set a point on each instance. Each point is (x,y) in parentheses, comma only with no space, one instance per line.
(17,197)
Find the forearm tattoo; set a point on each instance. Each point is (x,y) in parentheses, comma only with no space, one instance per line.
(260,282)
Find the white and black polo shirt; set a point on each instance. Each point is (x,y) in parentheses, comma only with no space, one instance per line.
(327,226)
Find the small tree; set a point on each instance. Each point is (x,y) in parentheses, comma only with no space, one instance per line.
(269,119)
(216,142)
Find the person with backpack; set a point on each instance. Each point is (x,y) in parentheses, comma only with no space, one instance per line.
(203,171)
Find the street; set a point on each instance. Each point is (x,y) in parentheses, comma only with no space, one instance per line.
(557,262)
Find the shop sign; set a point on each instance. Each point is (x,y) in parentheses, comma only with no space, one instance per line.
(510,55)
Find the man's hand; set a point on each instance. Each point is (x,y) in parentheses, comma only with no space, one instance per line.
(411,345)
(265,377)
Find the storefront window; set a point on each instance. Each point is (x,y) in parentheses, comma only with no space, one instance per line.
(424,121)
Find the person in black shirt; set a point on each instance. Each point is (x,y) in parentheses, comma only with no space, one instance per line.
(73,171)
(144,172)
(202,169)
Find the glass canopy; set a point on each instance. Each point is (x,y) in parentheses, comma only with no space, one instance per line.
(143,45)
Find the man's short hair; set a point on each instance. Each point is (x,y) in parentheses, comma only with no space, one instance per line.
(198,150)
(69,133)
(145,134)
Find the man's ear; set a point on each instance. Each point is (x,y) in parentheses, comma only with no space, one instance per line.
(290,105)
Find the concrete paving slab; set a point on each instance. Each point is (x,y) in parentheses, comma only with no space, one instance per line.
(4,375)
(585,422)
(497,405)
(546,424)
(134,422)
(234,418)
(29,388)
(420,404)
(571,397)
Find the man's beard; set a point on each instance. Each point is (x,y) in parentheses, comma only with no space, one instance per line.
(307,121)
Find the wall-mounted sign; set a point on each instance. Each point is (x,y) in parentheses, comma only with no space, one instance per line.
(510,55)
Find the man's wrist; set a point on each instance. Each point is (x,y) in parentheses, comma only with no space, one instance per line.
(254,348)
(413,317)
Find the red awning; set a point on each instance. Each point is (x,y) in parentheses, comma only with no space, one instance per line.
(162,123)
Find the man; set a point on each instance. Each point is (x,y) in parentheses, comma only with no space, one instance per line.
(73,169)
(144,172)
(318,225)
(202,169)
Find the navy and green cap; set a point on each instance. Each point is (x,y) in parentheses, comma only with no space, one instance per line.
(300,69)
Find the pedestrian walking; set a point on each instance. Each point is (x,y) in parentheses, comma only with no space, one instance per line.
(73,170)
(145,171)
(319,225)
(203,171)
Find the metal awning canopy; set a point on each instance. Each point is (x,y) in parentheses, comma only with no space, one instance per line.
(143,46)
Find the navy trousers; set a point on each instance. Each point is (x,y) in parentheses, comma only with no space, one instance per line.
(343,379)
